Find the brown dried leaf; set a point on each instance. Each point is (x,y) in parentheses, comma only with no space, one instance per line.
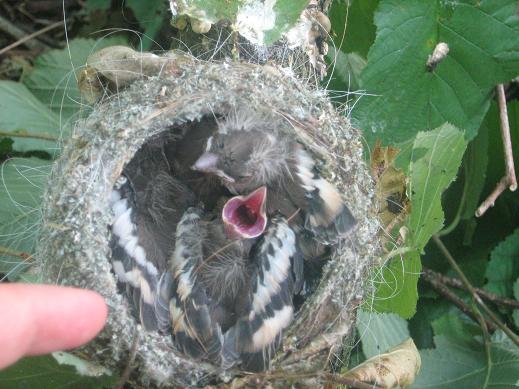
(115,67)
(398,367)
(390,185)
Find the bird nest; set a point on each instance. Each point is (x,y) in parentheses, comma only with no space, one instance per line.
(74,246)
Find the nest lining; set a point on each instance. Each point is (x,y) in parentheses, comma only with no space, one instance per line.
(74,245)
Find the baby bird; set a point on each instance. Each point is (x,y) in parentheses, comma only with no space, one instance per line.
(247,152)
(277,275)
(231,298)
(141,239)
(147,203)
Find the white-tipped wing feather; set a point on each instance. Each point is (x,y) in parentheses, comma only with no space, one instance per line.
(255,337)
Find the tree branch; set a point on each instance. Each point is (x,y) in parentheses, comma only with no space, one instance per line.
(489,296)
(509,179)
(14,253)
(23,38)
(513,337)
(436,283)
(26,134)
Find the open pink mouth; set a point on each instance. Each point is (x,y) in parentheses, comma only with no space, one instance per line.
(245,217)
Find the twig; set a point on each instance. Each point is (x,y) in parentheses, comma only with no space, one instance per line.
(17,33)
(258,378)
(443,290)
(489,296)
(25,134)
(507,141)
(14,253)
(26,39)
(509,180)
(125,376)
(492,197)
(513,337)
(351,382)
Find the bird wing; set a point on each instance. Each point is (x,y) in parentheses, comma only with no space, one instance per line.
(195,332)
(258,332)
(129,261)
(326,215)
(147,204)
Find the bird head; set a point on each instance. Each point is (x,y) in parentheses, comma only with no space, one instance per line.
(244,160)
(245,217)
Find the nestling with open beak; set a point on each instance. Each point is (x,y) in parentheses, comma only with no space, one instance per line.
(231,290)
(246,153)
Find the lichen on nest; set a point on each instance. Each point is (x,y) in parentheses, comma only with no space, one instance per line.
(74,244)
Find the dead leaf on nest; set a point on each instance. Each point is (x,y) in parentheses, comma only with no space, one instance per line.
(114,67)
(390,185)
(397,367)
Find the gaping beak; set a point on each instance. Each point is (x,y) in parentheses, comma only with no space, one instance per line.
(207,163)
(245,217)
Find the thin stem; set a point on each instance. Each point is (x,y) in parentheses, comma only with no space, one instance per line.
(512,335)
(328,377)
(125,376)
(351,382)
(436,283)
(492,197)
(507,141)
(457,218)
(473,292)
(27,38)
(489,296)
(17,33)
(26,134)
(14,253)
(509,179)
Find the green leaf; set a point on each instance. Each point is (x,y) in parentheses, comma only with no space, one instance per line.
(430,175)
(515,313)
(396,285)
(287,13)
(503,269)
(346,72)
(6,146)
(48,372)
(380,331)
(22,113)
(21,187)
(260,22)
(97,5)
(483,38)
(428,310)
(150,15)
(353,32)
(53,78)
(210,11)
(452,325)
(435,158)
(353,25)
(456,363)
(475,167)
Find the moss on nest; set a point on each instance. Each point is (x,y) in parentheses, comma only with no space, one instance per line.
(74,248)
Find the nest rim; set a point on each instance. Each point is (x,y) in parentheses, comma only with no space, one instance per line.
(119,135)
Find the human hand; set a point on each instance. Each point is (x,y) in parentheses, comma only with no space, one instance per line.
(39,319)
